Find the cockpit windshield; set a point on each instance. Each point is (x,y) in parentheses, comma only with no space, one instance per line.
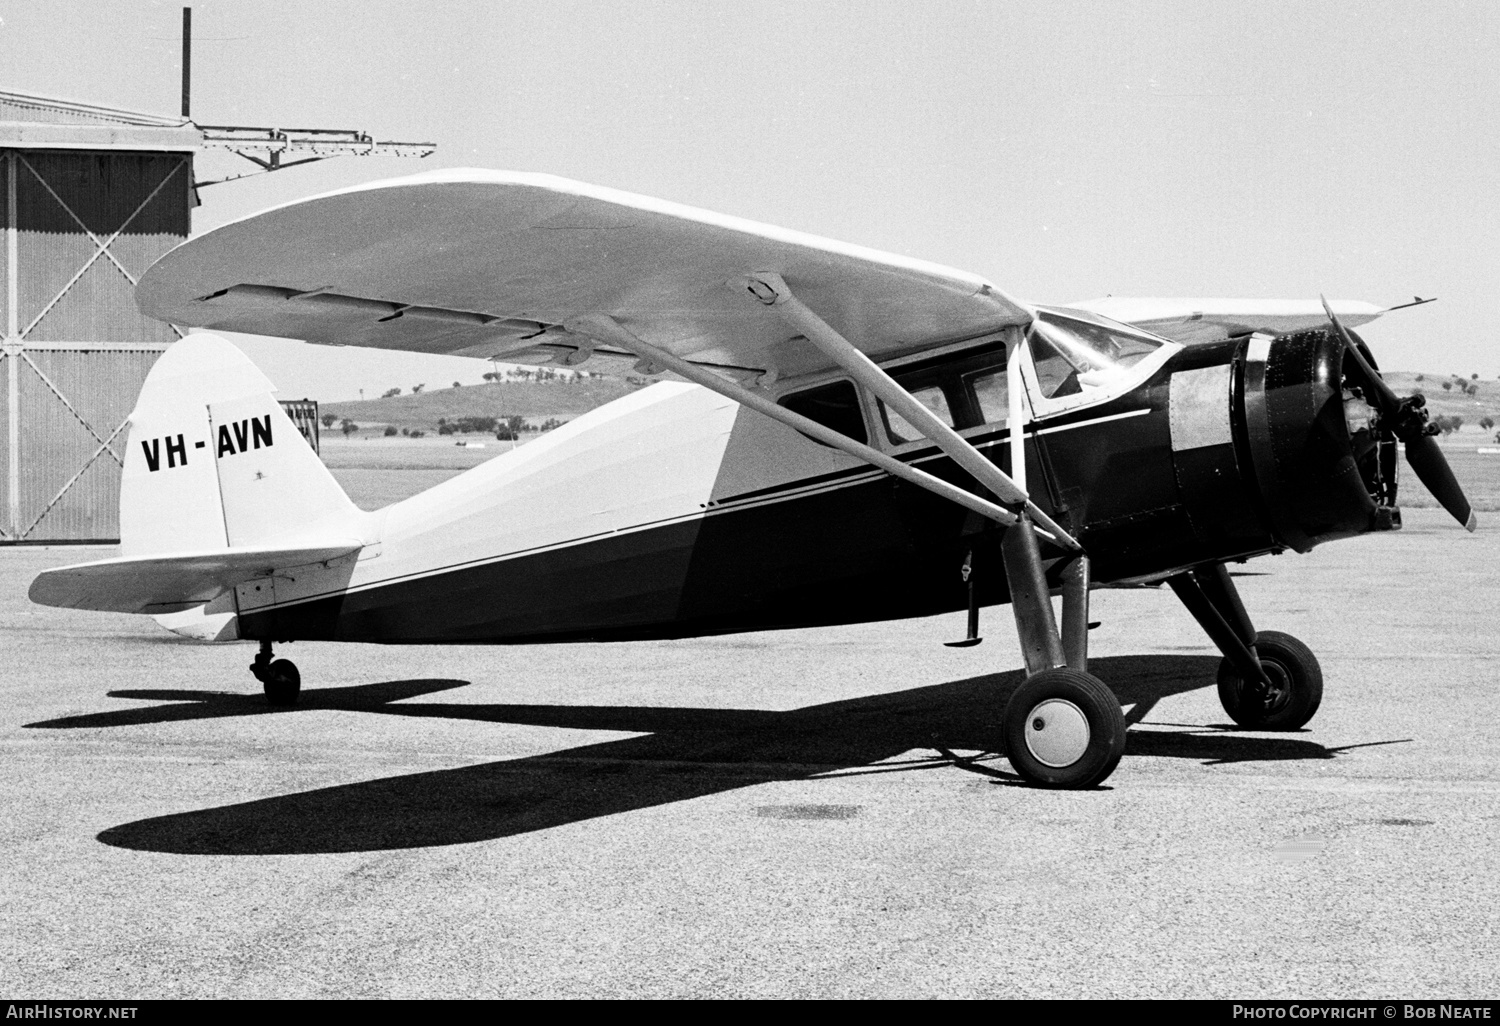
(1073,355)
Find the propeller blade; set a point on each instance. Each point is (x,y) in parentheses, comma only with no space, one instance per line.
(1431,466)
(1409,423)
(1386,400)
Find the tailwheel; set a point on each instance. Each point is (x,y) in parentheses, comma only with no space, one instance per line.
(282,682)
(280,678)
(1295,692)
(1064,729)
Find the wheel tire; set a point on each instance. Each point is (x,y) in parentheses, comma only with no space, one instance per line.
(1088,729)
(1297,681)
(282,682)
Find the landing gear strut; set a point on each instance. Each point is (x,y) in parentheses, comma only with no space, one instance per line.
(1063,727)
(280,678)
(1268,680)
(1295,692)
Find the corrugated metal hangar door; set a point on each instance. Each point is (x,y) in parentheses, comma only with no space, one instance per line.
(80,229)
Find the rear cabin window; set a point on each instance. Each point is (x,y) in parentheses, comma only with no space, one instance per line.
(834,406)
(965,390)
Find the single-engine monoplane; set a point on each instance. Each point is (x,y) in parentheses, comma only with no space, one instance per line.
(856,436)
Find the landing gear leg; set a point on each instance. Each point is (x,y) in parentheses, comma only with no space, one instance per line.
(1268,680)
(280,678)
(1063,727)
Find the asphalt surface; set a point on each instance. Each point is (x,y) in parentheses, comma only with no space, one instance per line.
(812,813)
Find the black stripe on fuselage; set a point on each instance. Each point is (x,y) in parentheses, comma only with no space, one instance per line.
(842,556)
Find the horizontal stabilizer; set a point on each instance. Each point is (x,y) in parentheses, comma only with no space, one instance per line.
(169,583)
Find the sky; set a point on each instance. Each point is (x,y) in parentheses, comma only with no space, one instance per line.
(1064,151)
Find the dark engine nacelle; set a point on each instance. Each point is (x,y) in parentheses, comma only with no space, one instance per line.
(1324,467)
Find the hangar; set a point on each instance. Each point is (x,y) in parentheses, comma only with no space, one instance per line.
(92,196)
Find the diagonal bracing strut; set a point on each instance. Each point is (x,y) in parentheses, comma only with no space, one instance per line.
(1035,621)
(602,328)
(773,292)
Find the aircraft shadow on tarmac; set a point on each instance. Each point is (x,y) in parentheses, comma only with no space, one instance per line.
(685,753)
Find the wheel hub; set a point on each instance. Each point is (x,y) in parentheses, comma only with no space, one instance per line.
(1280,691)
(1057,733)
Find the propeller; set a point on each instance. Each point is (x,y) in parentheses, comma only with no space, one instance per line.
(1407,420)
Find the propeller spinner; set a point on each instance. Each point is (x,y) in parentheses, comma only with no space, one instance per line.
(1407,420)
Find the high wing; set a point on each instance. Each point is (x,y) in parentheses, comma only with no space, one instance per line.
(168,583)
(1192,321)
(492,264)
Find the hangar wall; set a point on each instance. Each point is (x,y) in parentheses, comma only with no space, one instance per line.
(92,197)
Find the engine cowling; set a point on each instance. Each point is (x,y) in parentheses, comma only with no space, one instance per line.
(1324,464)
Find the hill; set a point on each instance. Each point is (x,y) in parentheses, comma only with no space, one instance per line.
(535,400)
(1451,402)
(539,401)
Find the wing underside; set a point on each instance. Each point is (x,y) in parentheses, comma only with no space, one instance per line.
(493,264)
(1192,321)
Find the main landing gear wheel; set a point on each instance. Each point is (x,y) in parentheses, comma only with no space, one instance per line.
(1296,686)
(1064,729)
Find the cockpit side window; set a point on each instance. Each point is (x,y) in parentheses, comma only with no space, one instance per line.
(835,405)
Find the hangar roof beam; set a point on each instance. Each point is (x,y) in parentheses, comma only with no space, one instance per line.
(270,147)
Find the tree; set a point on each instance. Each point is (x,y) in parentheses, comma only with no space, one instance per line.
(1447,386)
(1486,422)
(328,420)
(390,430)
(417,388)
(1473,377)
(390,392)
(457,385)
(348,426)
(1419,377)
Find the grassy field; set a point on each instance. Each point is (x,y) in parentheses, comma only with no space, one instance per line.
(1479,473)
(377,471)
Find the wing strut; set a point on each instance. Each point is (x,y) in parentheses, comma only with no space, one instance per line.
(606,329)
(771,290)
(1036,623)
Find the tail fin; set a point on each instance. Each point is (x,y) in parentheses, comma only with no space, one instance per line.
(214,463)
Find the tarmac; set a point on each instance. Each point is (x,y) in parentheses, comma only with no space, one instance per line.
(810,813)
